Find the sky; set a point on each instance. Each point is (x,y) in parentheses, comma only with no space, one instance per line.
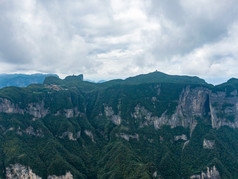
(108,39)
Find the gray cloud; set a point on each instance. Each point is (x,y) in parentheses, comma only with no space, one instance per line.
(112,38)
(191,24)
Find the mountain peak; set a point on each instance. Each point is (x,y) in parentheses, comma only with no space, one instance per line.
(74,78)
(159,77)
(233,80)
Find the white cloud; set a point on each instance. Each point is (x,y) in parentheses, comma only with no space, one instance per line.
(115,39)
(214,60)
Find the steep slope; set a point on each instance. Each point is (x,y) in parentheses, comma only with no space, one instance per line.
(149,126)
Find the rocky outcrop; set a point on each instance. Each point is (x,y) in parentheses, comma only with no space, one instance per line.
(211,173)
(224,109)
(208,144)
(30,131)
(90,135)
(128,136)
(143,116)
(8,130)
(69,113)
(180,137)
(68,175)
(155,174)
(6,106)
(35,109)
(18,171)
(70,135)
(116,119)
(185,144)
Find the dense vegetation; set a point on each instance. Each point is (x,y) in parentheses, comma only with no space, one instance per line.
(44,145)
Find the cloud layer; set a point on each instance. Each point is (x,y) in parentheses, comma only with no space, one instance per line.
(115,39)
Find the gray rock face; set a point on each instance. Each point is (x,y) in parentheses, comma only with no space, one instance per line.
(224,109)
(68,175)
(208,144)
(30,131)
(116,119)
(128,136)
(141,113)
(69,113)
(35,109)
(8,130)
(18,171)
(191,105)
(185,144)
(155,174)
(90,135)
(180,137)
(211,173)
(6,106)
(70,135)
(195,103)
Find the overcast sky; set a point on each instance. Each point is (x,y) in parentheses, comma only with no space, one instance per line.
(106,39)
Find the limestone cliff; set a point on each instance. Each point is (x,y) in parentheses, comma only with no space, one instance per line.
(6,106)
(224,109)
(116,119)
(211,173)
(18,171)
(192,104)
(37,110)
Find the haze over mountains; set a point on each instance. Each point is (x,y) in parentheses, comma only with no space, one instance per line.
(22,80)
(148,126)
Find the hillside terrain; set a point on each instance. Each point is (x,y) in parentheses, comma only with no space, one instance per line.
(149,126)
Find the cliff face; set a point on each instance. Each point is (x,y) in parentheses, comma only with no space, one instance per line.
(6,106)
(37,110)
(224,109)
(210,173)
(18,171)
(193,104)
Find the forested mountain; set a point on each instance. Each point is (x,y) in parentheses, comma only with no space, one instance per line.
(149,126)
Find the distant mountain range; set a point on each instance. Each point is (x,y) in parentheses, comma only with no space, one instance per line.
(22,80)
